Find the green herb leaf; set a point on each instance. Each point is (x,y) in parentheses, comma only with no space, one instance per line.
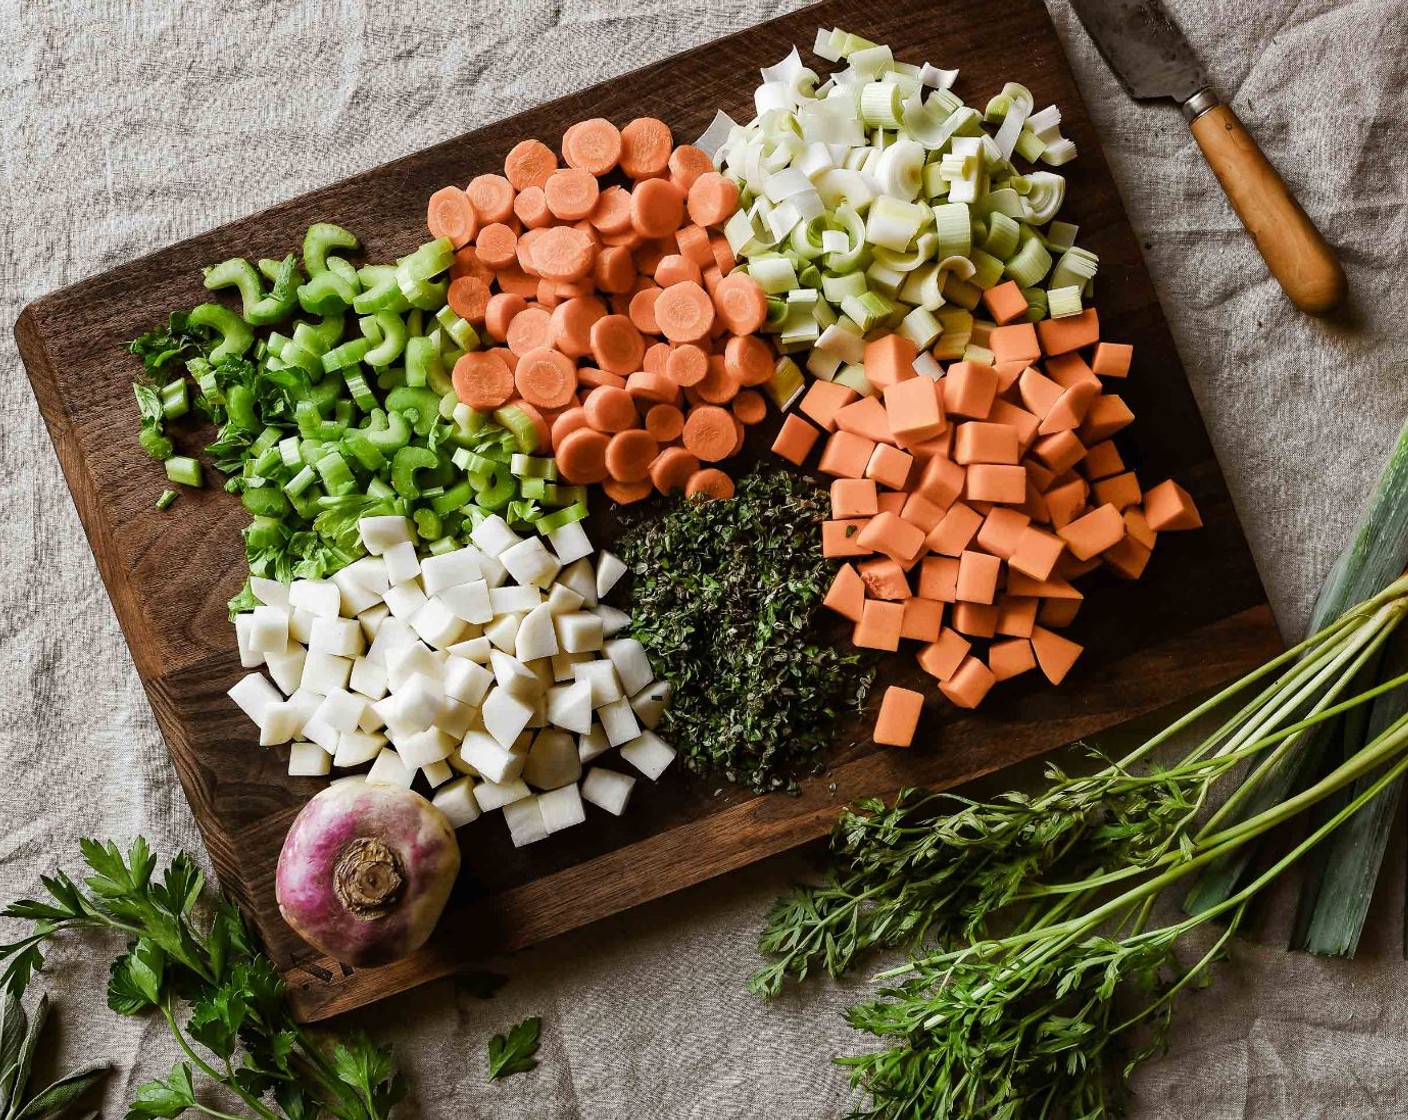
(160,1099)
(513,1053)
(57,1100)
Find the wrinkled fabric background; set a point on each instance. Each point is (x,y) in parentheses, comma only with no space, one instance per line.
(128,125)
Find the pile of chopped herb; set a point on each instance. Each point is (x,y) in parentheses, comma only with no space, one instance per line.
(724,597)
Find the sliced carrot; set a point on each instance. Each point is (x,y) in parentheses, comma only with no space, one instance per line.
(546,378)
(750,406)
(568,421)
(650,252)
(524,251)
(694,245)
(449,214)
(709,483)
(672,469)
(724,260)
(624,493)
(652,388)
(482,380)
(741,304)
(665,422)
(653,361)
(628,238)
(497,245)
(713,278)
(657,208)
(468,298)
(712,199)
(709,433)
(748,359)
(531,208)
(685,312)
(467,263)
(686,164)
(617,344)
(570,328)
(614,270)
(610,409)
(676,269)
(530,329)
(517,282)
(499,313)
(581,456)
(612,212)
(642,312)
(718,387)
(687,364)
(592,378)
(593,145)
(492,197)
(629,455)
(547,294)
(529,163)
(563,253)
(646,144)
(571,193)
(505,355)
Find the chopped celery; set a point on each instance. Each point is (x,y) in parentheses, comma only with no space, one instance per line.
(183,469)
(167,497)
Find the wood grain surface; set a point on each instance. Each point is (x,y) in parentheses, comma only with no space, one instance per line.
(1198,617)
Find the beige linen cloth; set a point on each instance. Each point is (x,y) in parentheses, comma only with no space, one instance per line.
(128,124)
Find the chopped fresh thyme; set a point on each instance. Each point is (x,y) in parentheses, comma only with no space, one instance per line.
(725,597)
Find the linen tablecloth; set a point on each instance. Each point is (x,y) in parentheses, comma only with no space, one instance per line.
(128,124)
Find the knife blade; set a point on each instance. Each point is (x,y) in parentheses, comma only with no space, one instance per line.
(1149,55)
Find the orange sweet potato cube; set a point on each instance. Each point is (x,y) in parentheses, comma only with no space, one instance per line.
(1169,506)
(842,538)
(846,455)
(941,481)
(923,619)
(889,466)
(977,577)
(1069,369)
(1127,558)
(996,482)
(1065,501)
(890,359)
(1056,613)
(1102,460)
(900,709)
(891,501)
(976,620)
(795,440)
(1018,419)
(1054,653)
(1016,342)
(1070,409)
(971,681)
(846,596)
(1092,534)
(1001,530)
(1006,302)
(879,625)
(884,579)
(1137,526)
(1008,373)
(969,389)
(938,579)
(1112,359)
(1106,415)
(1119,490)
(1036,553)
(895,537)
(823,400)
(953,534)
(941,658)
(866,417)
(1011,658)
(981,442)
(1016,615)
(1070,332)
(915,410)
(918,510)
(1058,453)
(1038,393)
(853,497)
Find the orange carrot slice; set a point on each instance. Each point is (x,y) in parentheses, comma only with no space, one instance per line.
(676,269)
(499,313)
(672,469)
(665,422)
(652,388)
(529,163)
(593,145)
(546,378)
(646,144)
(741,304)
(610,409)
(717,387)
(614,271)
(563,253)
(629,455)
(642,310)
(709,483)
(748,359)
(684,312)
(468,298)
(624,493)
(709,433)
(531,208)
(529,330)
(570,328)
(449,214)
(657,208)
(497,245)
(492,197)
(687,364)
(686,164)
(571,193)
(612,212)
(482,380)
(712,199)
(467,263)
(655,357)
(593,378)
(617,344)
(581,456)
(568,421)
(749,406)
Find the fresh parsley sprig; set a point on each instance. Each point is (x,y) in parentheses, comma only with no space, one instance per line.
(513,1053)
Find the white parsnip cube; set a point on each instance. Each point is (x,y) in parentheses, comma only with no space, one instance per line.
(404,599)
(450,569)
(268,629)
(618,720)
(305,702)
(552,760)
(341,710)
(402,566)
(609,570)
(570,706)
(613,621)
(536,637)
(281,723)
(341,637)
(473,649)
(436,624)
(418,702)
(469,601)
(319,597)
(368,678)
(287,668)
(650,703)
(505,717)
(530,563)
(570,542)
(514,599)
(324,672)
(601,675)
(357,594)
(372,618)
(492,536)
(495,795)
(354,748)
(456,719)
(391,634)
(592,745)
(649,754)
(563,600)
(456,800)
(321,732)
(389,770)
(466,681)
(561,808)
(380,533)
(579,632)
(425,747)
(632,664)
(300,625)
(369,572)
(308,760)
(503,632)
(607,789)
(515,677)
(490,758)
(579,577)
(495,574)
(250,658)
(404,661)
(437,773)
(564,665)
(525,822)
(270,592)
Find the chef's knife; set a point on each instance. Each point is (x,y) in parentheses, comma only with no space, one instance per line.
(1151,59)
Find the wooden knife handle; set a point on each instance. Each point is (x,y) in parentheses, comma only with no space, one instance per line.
(1300,260)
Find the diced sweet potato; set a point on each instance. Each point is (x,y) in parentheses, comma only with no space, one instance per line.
(918,510)
(1037,553)
(914,409)
(853,497)
(923,619)
(1011,658)
(969,389)
(1168,506)
(1107,415)
(865,417)
(1119,490)
(1016,342)
(891,501)
(1054,653)
(1092,534)
(900,709)
(823,400)
(1001,530)
(1069,410)
(1138,528)
(1038,393)
(977,577)
(890,359)
(1016,615)
(996,482)
(980,442)
(1102,460)
(1112,359)
(1058,453)
(938,579)
(1069,369)
(941,481)
(1127,558)
(841,539)
(1005,302)
(940,659)
(971,681)
(879,625)
(889,466)
(795,439)
(1057,613)
(976,620)
(846,455)
(895,537)
(1071,332)
(957,529)
(1018,419)
(846,595)
(883,579)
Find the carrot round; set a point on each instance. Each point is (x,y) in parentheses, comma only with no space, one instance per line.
(694,245)
(628,238)
(499,313)
(517,282)
(712,199)
(629,455)
(655,357)
(642,312)
(612,212)
(531,208)
(524,251)
(592,378)
(529,330)
(497,245)
(492,197)
(533,416)
(505,355)
(672,469)
(724,260)
(593,145)
(468,298)
(624,493)
(709,483)
(570,328)
(571,193)
(467,263)
(748,359)
(581,456)
(449,214)
(687,364)
(646,144)
(617,344)
(665,422)
(709,433)
(614,271)
(610,409)
(749,406)
(657,208)
(529,163)
(685,312)
(568,421)
(652,388)
(563,253)
(686,164)
(676,269)
(713,278)
(741,304)
(482,380)
(718,387)
(546,378)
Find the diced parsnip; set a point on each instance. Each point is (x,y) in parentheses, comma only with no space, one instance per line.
(530,563)
(341,637)
(405,661)
(305,702)
(308,760)
(579,632)
(402,566)
(354,748)
(450,569)
(456,719)
(466,681)
(514,599)
(618,721)
(563,600)
(607,789)
(369,572)
(425,747)
(570,706)
(253,693)
(372,719)
(649,754)
(632,664)
(495,795)
(570,542)
(552,760)
(609,570)
(505,717)
(564,665)
(475,649)
(503,632)
(650,703)
(322,672)
(561,808)
(417,702)
(404,599)
(495,574)
(536,635)
(456,800)
(469,601)
(341,710)
(437,773)
(601,675)
(539,718)
(488,756)
(250,658)
(300,625)
(368,678)
(613,621)
(268,629)
(356,595)
(281,723)
(579,577)
(389,770)
(319,597)
(525,822)
(515,677)
(270,592)
(380,533)
(286,668)
(436,624)
(592,745)
(372,618)
(324,734)
(391,634)
(493,537)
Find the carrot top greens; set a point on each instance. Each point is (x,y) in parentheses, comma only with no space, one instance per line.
(725,595)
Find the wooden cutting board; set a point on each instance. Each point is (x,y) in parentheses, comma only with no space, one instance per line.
(1198,618)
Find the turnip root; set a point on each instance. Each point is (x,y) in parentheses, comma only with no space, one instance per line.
(365,871)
